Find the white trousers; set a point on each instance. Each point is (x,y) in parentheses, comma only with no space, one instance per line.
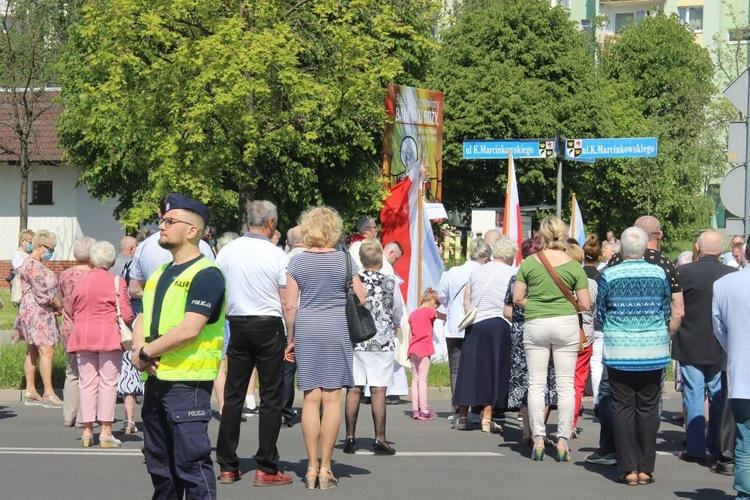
(596,364)
(560,336)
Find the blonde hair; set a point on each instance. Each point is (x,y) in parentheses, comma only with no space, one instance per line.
(371,253)
(553,232)
(25,234)
(44,237)
(575,252)
(429,294)
(321,227)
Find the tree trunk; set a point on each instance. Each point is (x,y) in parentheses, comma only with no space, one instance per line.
(247,196)
(23,211)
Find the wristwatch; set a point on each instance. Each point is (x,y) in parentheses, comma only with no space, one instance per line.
(143,356)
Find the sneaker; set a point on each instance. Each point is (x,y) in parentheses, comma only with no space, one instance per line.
(229,477)
(606,459)
(32,399)
(392,400)
(427,415)
(451,418)
(247,412)
(51,401)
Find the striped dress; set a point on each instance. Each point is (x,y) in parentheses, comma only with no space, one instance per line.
(322,346)
(633,306)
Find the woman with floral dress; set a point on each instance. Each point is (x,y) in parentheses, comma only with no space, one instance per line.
(36,322)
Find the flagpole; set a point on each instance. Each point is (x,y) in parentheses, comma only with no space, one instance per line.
(573,217)
(420,193)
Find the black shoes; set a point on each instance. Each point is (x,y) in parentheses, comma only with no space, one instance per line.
(350,445)
(392,400)
(380,448)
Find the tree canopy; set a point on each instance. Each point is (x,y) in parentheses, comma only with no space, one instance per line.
(520,69)
(235,101)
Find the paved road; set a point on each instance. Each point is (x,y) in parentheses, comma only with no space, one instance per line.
(39,459)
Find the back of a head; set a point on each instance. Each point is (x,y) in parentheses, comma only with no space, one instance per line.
(294,236)
(591,249)
(634,241)
(505,248)
(649,224)
(554,233)
(371,253)
(127,243)
(685,257)
(479,250)
(363,224)
(491,236)
(531,246)
(260,212)
(102,254)
(224,239)
(321,227)
(82,248)
(575,252)
(710,243)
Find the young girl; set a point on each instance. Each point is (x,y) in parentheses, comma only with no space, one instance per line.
(420,349)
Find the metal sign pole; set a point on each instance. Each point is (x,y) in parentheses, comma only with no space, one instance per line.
(746,215)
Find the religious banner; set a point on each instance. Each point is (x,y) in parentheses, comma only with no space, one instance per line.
(414,137)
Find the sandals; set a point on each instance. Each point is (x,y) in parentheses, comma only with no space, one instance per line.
(130,427)
(311,482)
(32,399)
(327,483)
(629,478)
(462,423)
(490,426)
(645,478)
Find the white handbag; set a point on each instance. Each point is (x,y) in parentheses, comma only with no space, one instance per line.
(126,335)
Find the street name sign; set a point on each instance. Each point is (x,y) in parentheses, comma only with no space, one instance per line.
(494,150)
(625,147)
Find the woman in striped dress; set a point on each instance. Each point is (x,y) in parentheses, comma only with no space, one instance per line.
(316,324)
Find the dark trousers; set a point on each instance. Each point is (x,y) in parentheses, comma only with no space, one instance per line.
(289,370)
(635,402)
(175,439)
(255,341)
(454,346)
(606,416)
(725,439)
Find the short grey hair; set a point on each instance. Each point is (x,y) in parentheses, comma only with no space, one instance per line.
(634,241)
(616,247)
(224,239)
(82,248)
(363,224)
(260,212)
(103,255)
(479,249)
(371,253)
(505,248)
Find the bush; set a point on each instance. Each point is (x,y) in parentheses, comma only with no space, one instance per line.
(11,367)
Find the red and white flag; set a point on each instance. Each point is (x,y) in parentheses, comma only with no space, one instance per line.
(512,216)
(398,219)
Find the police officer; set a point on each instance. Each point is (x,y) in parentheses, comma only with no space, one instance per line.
(183,326)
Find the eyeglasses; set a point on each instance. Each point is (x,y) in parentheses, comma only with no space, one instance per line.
(170,221)
(48,248)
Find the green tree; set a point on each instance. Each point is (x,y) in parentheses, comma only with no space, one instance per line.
(30,43)
(673,78)
(520,69)
(231,101)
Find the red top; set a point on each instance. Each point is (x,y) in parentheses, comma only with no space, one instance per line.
(94,315)
(421,322)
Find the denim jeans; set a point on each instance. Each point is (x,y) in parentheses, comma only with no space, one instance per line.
(741,410)
(697,380)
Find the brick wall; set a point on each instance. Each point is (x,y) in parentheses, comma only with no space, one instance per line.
(57,266)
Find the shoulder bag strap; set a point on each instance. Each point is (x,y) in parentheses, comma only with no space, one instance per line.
(556,278)
(117,297)
(349,281)
(459,291)
(486,285)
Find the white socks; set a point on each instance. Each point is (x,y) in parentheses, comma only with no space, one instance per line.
(250,402)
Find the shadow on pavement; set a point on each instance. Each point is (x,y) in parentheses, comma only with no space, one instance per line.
(5,413)
(248,465)
(704,494)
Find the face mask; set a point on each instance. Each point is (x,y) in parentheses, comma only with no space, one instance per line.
(212,243)
(28,247)
(47,255)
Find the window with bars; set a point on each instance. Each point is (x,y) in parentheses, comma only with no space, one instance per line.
(41,193)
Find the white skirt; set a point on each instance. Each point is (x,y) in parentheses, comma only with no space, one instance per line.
(373,368)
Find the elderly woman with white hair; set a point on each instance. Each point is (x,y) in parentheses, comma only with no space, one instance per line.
(95,340)
(67,283)
(484,372)
(636,351)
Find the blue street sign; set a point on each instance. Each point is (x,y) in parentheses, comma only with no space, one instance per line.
(629,147)
(492,150)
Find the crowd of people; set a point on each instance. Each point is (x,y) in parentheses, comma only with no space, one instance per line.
(208,313)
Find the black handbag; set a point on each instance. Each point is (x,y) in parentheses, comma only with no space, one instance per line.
(358,318)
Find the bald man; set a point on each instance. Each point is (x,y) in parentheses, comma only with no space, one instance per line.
(697,349)
(491,236)
(127,249)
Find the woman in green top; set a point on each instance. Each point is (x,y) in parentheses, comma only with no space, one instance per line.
(551,325)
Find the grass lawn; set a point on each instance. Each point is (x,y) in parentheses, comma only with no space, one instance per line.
(8,312)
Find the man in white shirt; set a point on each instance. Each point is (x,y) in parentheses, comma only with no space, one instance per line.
(255,271)
(149,257)
(450,291)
